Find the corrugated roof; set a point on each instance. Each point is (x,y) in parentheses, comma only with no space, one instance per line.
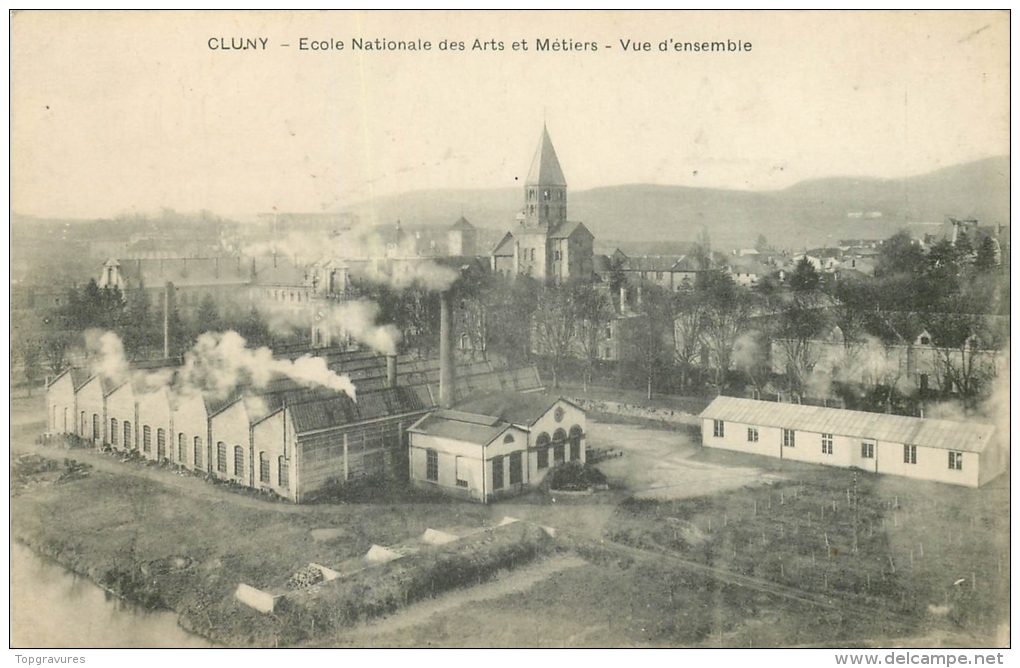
(341,410)
(926,432)
(545,166)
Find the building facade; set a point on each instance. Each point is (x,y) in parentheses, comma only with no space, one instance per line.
(957,453)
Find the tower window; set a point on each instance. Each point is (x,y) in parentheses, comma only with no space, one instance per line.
(545,196)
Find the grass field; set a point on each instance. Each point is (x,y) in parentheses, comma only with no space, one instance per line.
(763,558)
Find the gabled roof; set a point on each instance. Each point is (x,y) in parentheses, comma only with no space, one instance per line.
(568,228)
(341,410)
(512,407)
(545,166)
(925,432)
(461,426)
(650,263)
(462,224)
(80,377)
(187,271)
(505,248)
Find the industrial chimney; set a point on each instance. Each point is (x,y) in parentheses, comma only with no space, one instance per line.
(391,371)
(446,372)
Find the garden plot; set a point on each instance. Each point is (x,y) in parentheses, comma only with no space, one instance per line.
(657,463)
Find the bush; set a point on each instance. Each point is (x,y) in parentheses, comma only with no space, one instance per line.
(381,590)
(575,477)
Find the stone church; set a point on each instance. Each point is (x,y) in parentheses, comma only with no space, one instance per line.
(545,245)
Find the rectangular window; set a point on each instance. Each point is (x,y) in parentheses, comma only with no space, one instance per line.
(146,439)
(238,460)
(718,428)
(283,475)
(956,461)
(221,457)
(198,452)
(461,472)
(789,438)
(263,467)
(497,473)
(867,450)
(909,454)
(752,435)
(826,444)
(432,465)
(557,453)
(516,468)
(543,457)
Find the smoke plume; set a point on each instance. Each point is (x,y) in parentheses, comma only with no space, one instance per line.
(359,320)
(220,362)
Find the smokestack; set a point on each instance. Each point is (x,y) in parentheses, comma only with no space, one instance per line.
(391,371)
(623,299)
(446,374)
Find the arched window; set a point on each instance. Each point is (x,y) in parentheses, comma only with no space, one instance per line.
(160,444)
(96,431)
(146,439)
(542,443)
(509,438)
(114,435)
(182,448)
(197,454)
(127,434)
(221,457)
(575,442)
(238,460)
(559,445)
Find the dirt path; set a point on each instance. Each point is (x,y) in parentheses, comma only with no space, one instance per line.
(509,582)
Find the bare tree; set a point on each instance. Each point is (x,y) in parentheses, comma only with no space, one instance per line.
(555,324)
(594,313)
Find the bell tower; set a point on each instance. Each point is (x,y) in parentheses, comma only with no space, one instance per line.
(545,190)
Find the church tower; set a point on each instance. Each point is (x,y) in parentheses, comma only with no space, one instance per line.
(545,190)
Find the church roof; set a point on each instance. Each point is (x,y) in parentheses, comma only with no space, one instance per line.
(505,247)
(545,166)
(462,224)
(567,229)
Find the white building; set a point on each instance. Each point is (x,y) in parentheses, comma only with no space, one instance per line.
(495,446)
(958,453)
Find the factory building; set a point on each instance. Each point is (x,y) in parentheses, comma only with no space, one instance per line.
(496,445)
(284,438)
(959,453)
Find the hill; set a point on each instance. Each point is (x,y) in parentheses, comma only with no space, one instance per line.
(810,213)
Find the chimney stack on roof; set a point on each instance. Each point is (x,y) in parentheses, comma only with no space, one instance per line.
(446,373)
(623,299)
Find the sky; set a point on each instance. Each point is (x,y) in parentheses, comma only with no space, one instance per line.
(115,113)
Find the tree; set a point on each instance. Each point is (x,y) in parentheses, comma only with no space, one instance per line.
(555,326)
(898,255)
(140,328)
(804,277)
(30,351)
(985,260)
(513,303)
(653,353)
(688,315)
(728,310)
(594,315)
(255,330)
(208,315)
(55,347)
(959,335)
(800,323)
(761,243)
